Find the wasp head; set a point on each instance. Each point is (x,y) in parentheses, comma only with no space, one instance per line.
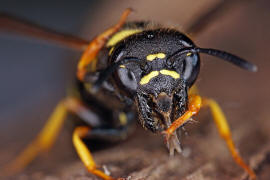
(155,68)
(156,75)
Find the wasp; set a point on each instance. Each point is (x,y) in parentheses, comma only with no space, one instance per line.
(133,70)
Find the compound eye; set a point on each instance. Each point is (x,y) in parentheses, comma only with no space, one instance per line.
(127,79)
(191,68)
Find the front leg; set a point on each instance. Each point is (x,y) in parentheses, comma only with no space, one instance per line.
(195,102)
(96,45)
(194,106)
(85,154)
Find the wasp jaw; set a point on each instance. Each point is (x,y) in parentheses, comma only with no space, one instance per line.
(173,144)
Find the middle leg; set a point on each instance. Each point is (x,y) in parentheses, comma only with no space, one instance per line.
(225,133)
(109,134)
(85,154)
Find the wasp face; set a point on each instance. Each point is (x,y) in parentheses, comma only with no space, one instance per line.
(159,78)
(157,113)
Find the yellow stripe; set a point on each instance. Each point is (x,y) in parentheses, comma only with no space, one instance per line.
(148,77)
(111,50)
(173,74)
(121,35)
(151,57)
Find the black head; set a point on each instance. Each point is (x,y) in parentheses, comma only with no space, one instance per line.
(156,68)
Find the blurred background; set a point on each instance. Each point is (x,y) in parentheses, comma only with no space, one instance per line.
(34,76)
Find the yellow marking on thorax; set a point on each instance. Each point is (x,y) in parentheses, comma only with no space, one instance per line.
(151,57)
(121,35)
(173,74)
(148,77)
(123,118)
(111,50)
(87,85)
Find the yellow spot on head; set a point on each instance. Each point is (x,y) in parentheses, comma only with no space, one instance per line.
(122,66)
(148,77)
(123,118)
(189,54)
(117,37)
(151,57)
(173,74)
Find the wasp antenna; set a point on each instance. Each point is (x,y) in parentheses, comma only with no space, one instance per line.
(229,57)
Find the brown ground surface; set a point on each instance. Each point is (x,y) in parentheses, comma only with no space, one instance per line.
(244,96)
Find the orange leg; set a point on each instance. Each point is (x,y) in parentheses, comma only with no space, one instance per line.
(97,44)
(195,103)
(193,108)
(225,133)
(85,154)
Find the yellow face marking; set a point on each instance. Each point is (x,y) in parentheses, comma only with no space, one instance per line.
(148,77)
(121,35)
(173,74)
(151,57)
(122,66)
(189,54)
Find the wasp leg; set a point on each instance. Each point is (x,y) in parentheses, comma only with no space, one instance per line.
(45,138)
(85,154)
(193,90)
(225,133)
(194,106)
(89,55)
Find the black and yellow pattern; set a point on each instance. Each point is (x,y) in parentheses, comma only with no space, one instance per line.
(134,69)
